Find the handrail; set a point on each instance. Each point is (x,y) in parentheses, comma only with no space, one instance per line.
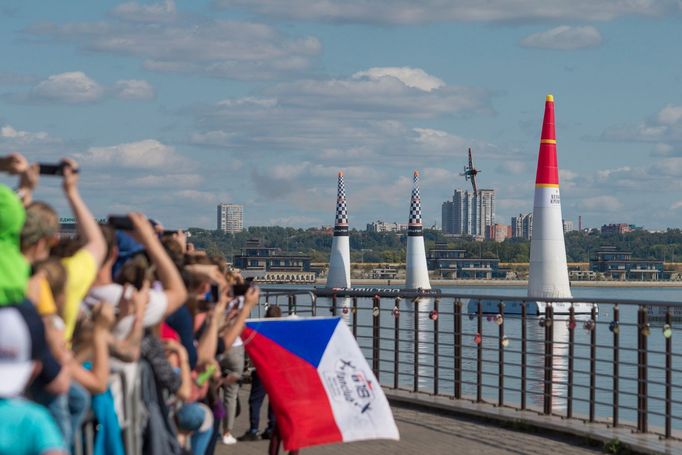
(433,293)
(566,363)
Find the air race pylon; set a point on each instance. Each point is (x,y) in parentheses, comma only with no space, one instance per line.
(417,273)
(548,276)
(339,261)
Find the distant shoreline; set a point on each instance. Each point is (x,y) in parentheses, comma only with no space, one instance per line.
(522,283)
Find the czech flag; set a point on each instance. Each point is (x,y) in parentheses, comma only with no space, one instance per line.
(319,384)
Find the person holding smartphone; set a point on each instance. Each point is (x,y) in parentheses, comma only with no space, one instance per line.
(232,360)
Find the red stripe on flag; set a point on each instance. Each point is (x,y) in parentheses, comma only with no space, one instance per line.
(296,393)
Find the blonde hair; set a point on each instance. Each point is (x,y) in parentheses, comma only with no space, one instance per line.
(55,274)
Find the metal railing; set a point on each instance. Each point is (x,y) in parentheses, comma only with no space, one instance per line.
(611,364)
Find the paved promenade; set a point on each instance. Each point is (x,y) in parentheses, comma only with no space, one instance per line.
(427,433)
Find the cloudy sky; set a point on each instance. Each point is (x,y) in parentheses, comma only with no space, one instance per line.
(172,107)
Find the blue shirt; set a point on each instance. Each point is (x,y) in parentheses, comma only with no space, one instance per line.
(27,428)
(181,322)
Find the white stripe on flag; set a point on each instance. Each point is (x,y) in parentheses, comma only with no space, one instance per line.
(358,403)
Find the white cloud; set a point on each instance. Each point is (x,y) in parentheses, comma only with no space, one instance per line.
(203,197)
(155,12)
(411,77)
(567,175)
(33,144)
(564,37)
(607,173)
(602,204)
(664,127)
(662,149)
(69,88)
(425,11)
(76,87)
(146,154)
(670,115)
(167,180)
(515,167)
(9,133)
(388,94)
(134,90)
(342,119)
(190,44)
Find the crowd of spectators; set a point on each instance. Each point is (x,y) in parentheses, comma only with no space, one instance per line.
(86,321)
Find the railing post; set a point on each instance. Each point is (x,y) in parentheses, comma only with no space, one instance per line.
(435,318)
(376,314)
(396,344)
(668,374)
(313,305)
(642,371)
(415,372)
(524,338)
(355,317)
(458,348)
(479,355)
(549,346)
(290,303)
(571,353)
(333,308)
(593,361)
(616,364)
(500,359)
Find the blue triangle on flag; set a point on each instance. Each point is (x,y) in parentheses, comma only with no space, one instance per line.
(306,338)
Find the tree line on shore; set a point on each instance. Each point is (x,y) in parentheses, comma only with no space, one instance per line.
(389,247)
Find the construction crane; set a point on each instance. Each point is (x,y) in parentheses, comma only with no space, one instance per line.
(470,173)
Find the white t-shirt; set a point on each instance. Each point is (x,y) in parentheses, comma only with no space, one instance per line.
(111,293)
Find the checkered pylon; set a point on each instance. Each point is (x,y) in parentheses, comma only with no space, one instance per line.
(341,208)
(415,203)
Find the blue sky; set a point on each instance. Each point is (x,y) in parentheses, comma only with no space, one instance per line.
(172,107)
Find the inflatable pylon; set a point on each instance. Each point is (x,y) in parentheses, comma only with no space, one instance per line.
(339,260)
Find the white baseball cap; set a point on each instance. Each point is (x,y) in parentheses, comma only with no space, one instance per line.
(15,353)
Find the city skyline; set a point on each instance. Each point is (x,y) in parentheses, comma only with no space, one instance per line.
(172,108)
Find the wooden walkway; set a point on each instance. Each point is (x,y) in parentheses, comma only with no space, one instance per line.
(427,433)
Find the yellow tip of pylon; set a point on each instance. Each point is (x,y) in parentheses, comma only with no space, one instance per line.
(550,98)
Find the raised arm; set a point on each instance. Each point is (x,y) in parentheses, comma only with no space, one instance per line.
(235,328)
(96,381)
(16,164)
(128,349)
(170,278)
(208,343)
(88,228)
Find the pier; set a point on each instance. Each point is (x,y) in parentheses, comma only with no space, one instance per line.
(589,381)
(436,432)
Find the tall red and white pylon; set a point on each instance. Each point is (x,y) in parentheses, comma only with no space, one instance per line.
(548,276)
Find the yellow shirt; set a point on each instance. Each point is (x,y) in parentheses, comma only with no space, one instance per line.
(81,270)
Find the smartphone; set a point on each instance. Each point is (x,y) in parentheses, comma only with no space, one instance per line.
(53,169)
(240,289)
(120,222)
(169,232)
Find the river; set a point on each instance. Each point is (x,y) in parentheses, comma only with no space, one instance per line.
(535,335)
